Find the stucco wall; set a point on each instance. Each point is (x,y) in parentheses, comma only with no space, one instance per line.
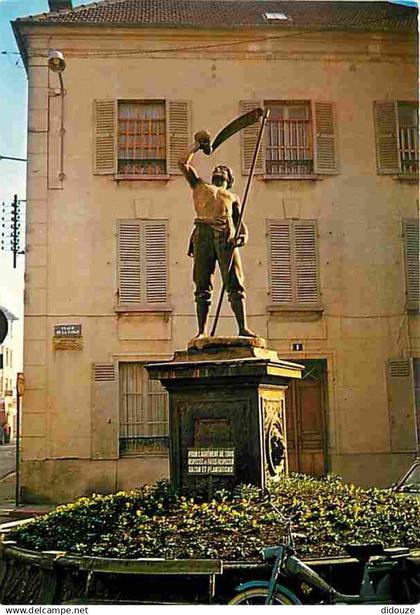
(71,235)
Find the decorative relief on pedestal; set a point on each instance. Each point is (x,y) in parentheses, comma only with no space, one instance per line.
(275,436)
(212,432)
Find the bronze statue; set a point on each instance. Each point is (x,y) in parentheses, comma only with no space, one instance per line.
(217,214)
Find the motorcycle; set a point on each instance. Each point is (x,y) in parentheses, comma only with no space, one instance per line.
(390,576)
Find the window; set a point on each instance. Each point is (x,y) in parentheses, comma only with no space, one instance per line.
(299,140)
(275,16)
(288,145)
(293,263)
(412,262)
(140,139)
(408,137)
(143,412)
(402,405)
(397,142)
(142,263)
(416,369)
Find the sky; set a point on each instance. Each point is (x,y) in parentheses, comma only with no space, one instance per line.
(13,94)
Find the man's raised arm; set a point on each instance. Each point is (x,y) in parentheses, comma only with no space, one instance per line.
(187,169)
(202,141)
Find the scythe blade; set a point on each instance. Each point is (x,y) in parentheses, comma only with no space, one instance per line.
(237,124)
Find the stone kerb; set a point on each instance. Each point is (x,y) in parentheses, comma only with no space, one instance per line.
(57,577)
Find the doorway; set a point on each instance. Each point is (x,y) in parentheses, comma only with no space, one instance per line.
(306,420)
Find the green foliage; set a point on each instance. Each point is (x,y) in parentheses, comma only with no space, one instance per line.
(156,522)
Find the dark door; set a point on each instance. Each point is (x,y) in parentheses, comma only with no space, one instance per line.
(306,423)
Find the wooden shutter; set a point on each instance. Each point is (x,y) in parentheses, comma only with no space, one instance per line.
(178,132)
(105,137)
(326,159)
(142,262)
(249,137)
(129,273)
(104,415)
(279,254)
(293,262)
(156,261)
(401,405)
(412,262)
(306,262)
(386,131)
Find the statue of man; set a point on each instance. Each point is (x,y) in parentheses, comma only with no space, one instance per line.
(217,214)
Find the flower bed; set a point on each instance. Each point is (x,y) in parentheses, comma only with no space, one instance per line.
(155,522)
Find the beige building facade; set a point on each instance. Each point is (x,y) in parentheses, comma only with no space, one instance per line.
(331,264)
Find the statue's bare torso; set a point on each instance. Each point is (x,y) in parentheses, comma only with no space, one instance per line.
(214,206)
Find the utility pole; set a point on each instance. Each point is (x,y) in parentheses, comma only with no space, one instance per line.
(11,229)
(15,219)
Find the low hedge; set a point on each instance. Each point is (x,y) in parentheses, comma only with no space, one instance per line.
(156,522)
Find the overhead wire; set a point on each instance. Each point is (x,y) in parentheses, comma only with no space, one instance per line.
(303,32)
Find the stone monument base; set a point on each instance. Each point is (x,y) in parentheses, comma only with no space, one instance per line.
(226,412)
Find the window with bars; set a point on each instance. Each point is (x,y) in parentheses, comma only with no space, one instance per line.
(397,141)
(142,263)
(408,137)
(293,263)
(288,145)
(299,140)
(141,138)
(143,412)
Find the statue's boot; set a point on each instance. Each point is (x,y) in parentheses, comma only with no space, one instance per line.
(203,308)
(238,308)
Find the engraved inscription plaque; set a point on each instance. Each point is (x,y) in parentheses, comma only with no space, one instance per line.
(211,461)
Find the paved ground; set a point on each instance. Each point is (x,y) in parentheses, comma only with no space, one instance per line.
(8,509)
(7,459)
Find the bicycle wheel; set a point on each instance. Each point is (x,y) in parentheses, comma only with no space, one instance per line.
(257,595)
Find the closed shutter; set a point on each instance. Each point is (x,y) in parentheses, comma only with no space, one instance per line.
(156,261)
(326,159)
(105,137)
(279,261)
(104,415)
(306,262)
(249,138)
(293,262)
(386,131)
(412,262)
(129,274)
(178,132)
(142,262)
(401,405)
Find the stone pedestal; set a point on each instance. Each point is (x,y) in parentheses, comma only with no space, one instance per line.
(226,412)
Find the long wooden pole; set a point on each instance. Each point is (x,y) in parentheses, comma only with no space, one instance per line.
(241,216)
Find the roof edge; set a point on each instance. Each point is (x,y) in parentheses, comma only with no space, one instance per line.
(20,43)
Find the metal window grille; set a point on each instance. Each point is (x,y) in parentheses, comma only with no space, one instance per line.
(142,138)
(408,137)
(289,144)
(143,412)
